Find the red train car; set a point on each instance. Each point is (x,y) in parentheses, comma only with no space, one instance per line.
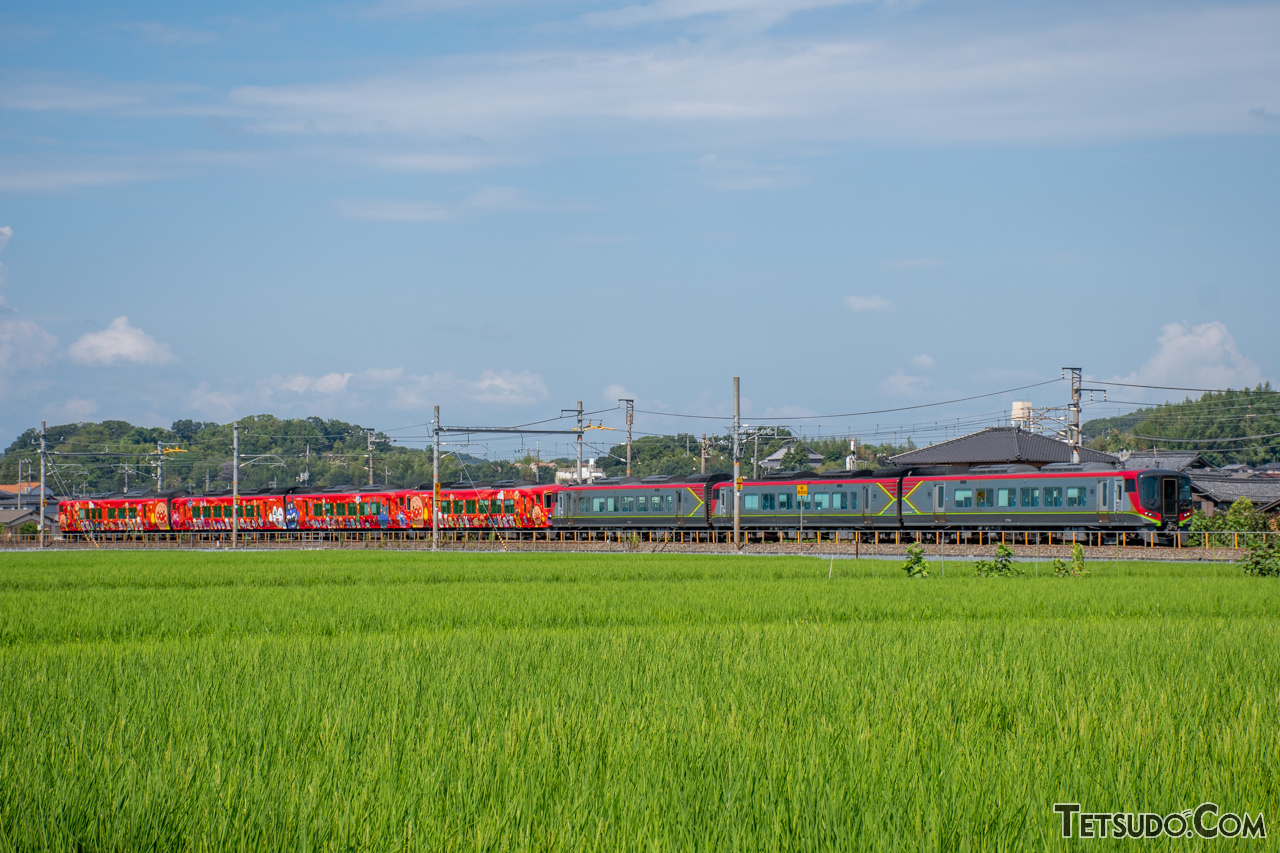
(146,513)
(495,507)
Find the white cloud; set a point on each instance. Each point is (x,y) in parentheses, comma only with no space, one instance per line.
(614,393)
(167,35)
(119,342)
(6,233)
(214,403)
(487,200)
(740,175)
(867,304)
(748,14)
(1097,75)
(437,163)
(903,384)
(330,383)
(24,346)
(914,263)
(1203,356)
(923,361)
(74,409)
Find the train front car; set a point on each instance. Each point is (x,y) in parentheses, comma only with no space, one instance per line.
(117,514)
(1162,498)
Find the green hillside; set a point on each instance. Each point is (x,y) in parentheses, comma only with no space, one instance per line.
(1232,426)
(100,457)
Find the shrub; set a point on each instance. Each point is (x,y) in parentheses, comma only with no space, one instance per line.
(915,564)
(28,528)
(1076,568)
(1262,559)
(1000,567)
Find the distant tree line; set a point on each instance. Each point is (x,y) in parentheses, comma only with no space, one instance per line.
(1202,425)
(93,458)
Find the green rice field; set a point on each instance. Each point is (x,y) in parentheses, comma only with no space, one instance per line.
(380,701)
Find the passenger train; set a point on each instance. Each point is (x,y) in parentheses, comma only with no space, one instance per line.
(1059,497)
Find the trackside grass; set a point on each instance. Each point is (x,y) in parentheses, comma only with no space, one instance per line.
(322,700)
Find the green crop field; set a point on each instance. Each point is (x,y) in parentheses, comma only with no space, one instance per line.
(381,701)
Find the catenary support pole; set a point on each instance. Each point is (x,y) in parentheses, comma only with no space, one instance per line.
(44,501)
(737,465)
(368,434)
(435,481)
(235,482)
(631,416)
(579,441)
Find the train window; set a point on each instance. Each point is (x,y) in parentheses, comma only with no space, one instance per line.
(133,512)
(628,503)
(839,500)
(111,513)
(363,508)
(963,498)
(484,507)
(342,509)
(351,509)
(1053,496)
(984,497)
(1128,486)
(642,503)
(471,507)
(1031,497)
(767,502)
(613,504)
(784,500)
(548,500)
(669,500)
(597,504)
(457,507)
(84,515)
(750,502)
(584,504)
(509,506)
(1076,495)
(1006,497)
(822,500)
(853,500)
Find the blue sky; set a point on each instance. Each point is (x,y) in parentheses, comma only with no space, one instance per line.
(359,210)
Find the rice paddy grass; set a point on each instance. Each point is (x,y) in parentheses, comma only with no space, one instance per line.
(380,701)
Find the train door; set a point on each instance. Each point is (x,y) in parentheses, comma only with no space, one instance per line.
(939,503)
(1104,501)
(866,505)
(562,505)
(1169,501)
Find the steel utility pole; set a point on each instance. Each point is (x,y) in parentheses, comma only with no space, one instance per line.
(579,441)
(737,468)
(159,467)
(235,482)
(369,435)
(43,500)
(1073,423)
(631,416)
(435,481)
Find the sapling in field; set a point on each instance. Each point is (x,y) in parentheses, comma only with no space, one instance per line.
(1076,568)
(1000,567)
(915,564)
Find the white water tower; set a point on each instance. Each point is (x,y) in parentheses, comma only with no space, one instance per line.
(1022,414)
